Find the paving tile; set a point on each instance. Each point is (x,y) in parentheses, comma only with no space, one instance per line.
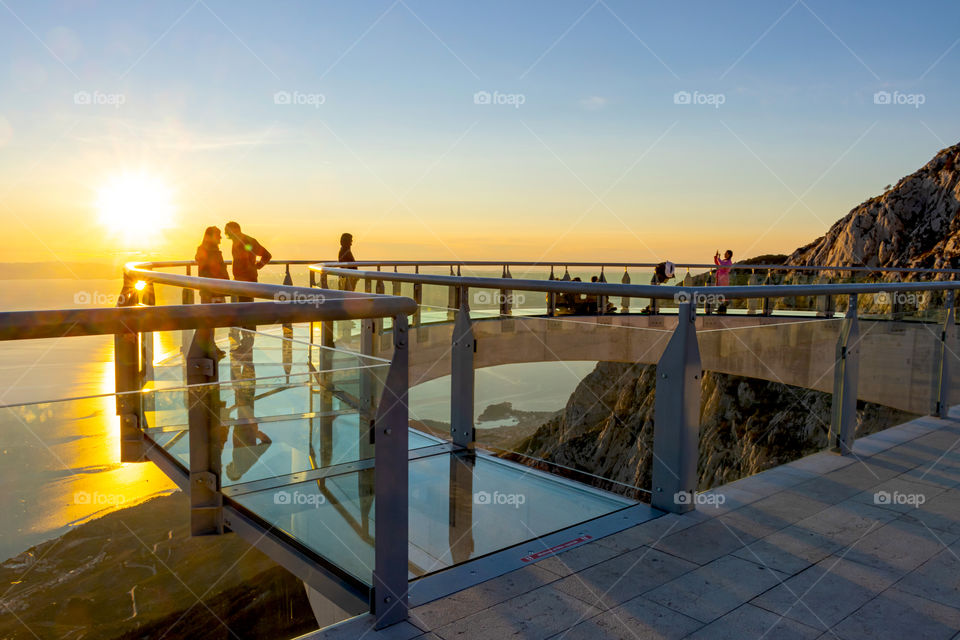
(773,480)
(826,491)
(725,499)
(577,559)
(790,550)
(651,531)
(821,463)
(826,593)
(750,622)
(705,542)
(894,615)
(619,579)
(937,579)
(774,513)
(637,619)
(895,494)
(534,616)
(715,589)
(464,603)
(848,521)
(942,512)
(899,547)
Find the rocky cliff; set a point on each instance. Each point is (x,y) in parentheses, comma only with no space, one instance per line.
(747,425)
(915,223)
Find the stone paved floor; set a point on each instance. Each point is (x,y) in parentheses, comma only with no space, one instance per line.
(826,547)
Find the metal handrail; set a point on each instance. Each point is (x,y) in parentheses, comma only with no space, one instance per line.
(618,265)
(662,292)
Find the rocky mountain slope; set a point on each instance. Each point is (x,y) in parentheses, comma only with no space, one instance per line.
(915,223)
(747,425)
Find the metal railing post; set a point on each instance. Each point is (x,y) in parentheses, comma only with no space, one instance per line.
(126,358)
(389,602)
(677,417)
(186,335)
(846,373)
(767,307)
(506,294)
(944,378)
(418,298)
(624,300)
(206,501)
(369,333)
(462,377)
(551,297)
(752,281)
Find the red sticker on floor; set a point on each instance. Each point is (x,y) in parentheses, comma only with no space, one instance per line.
(552,550)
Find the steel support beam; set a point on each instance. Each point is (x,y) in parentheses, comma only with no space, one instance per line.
(391,547)
(944,378)
(206,440)
(846,374)
(677,417)
(462,377)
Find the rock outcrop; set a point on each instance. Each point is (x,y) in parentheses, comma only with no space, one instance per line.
(916,223)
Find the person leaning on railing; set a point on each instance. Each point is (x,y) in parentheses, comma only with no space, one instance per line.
(345,254)
(210,262)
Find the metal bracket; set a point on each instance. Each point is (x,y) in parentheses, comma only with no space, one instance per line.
(843,420)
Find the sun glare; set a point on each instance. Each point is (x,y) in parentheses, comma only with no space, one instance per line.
(135,207)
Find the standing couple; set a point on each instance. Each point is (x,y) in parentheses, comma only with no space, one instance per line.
(249,256)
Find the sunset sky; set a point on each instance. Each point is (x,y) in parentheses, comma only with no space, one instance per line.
(126,128)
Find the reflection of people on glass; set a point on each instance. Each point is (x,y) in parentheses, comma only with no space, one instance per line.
(249,443)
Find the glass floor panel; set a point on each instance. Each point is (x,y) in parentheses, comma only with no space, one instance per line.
(292,446)
(461,507)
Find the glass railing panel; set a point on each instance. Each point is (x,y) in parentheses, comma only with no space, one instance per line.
(549,393)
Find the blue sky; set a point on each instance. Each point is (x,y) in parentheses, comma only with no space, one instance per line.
(598,160)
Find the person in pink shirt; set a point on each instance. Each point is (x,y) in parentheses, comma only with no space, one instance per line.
(723,270)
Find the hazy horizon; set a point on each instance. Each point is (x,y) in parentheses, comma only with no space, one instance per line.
(587,130)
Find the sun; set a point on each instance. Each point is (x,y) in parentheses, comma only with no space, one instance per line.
(135,207)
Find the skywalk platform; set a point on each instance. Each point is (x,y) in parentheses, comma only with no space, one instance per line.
(866,546)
